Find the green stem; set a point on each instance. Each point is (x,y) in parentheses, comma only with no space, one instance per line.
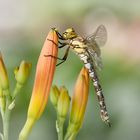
(1,136)
(2,115)
(73,136)
(71,132)
(2,106)
(6,115)
(68,136)
(59,127)
(6,124)
(16,90)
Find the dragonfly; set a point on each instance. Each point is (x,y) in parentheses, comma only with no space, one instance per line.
(88,50)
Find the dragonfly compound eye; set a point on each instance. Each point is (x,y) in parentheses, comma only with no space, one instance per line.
(69,33)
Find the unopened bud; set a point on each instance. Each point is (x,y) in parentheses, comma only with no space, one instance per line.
(2,100)
(22,72)
(54,95)
(79,102)
(63,103)
(4,82)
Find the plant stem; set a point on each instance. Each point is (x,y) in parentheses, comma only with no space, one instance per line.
(6,115)
(71,137)
(6,124)
(59,127)
(2,106)
(16,90)
(7,112)
(71,132)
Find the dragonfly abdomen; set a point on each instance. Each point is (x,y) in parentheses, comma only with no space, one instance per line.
(100,96)
(98,89)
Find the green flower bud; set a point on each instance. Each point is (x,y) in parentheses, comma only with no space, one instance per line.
(54,95)
(2,100)
(22,72)
(63,103)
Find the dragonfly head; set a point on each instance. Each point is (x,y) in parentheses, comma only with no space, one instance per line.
(69,33)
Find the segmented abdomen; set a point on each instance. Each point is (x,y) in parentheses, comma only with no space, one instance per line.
(92,73)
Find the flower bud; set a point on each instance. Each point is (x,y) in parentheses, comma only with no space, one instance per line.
(43,80)
(22,72)
(44,75)
(4,82)
(80,97)
(2,100)
(54,95)
(63,103)
(79,102)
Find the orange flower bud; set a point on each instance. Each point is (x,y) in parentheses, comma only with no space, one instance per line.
(4,82)
(44,76)
(43,81)
(80,97)
(79,102)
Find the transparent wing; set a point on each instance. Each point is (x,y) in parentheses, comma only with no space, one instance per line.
(96,59)
(99,36)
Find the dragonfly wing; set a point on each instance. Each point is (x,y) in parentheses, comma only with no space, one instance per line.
(95,58)
(99,36)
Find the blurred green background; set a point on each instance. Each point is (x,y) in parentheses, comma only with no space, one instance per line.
(23,28)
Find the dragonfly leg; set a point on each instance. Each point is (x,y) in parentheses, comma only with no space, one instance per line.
(53,57)
(52,41)
(63,59)
(60,36)
(62,45)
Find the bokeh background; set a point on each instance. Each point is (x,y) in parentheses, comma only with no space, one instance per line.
(23,28)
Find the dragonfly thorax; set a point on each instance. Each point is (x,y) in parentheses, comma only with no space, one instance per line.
(78,45)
